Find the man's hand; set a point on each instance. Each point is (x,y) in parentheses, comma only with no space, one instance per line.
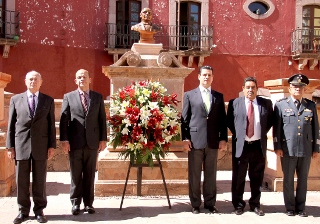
(314,155)
(102,146)
(279,152)
(223,145)
(187,145)
(50,153)
(65,147)
(11,153)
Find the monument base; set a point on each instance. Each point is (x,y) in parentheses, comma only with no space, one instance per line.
(7,174)
(147,49)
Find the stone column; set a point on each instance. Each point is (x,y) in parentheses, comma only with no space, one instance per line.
(7,167)
(273,173)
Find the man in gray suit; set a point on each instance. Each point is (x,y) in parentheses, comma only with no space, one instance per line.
(82,135)
(31,140)
(249,120)
(296,140)
(204,131)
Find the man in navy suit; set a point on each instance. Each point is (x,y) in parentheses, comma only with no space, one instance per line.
(249,120)
(204,131)
(82,135)
(31,140)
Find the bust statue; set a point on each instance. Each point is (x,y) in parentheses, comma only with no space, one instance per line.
(145,27)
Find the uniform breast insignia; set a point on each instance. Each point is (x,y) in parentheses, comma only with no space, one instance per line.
(306,118)
(287,110)
(307,110)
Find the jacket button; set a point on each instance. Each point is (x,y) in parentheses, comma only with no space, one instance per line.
(299,134)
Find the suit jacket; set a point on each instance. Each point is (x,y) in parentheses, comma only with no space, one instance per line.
(295,131)
(237,122)
(31,135)
(77,128)
(200,127)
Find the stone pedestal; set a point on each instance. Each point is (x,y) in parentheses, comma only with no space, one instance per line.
(273,172)
(7,166)
(145,62)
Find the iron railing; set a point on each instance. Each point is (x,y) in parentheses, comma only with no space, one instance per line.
(9,24)
(172,37)
(305,41)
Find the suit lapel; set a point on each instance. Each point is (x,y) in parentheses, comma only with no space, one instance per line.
(243,106)
(292,105)
(76,96)
(303,105)
(259,102)
(199,96)
(25,103)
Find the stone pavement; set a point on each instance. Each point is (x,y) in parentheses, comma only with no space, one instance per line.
(154,209)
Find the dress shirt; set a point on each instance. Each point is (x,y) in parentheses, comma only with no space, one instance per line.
(29,94)
(257,125)
(204,93)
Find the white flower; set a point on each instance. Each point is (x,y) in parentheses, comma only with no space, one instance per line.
(146,92)
(125,131)
(141,99)
(153,105)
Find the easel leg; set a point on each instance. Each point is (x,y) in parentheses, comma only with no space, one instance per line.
(125,186)
(164,183)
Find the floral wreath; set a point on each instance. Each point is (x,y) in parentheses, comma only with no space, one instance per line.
(144,121)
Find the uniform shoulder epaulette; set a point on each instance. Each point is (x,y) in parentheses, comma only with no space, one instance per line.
(309,101)
(282,99)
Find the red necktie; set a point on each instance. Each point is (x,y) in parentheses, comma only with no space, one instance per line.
(84,103)
(250,120)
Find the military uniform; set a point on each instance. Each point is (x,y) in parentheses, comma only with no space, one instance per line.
(296,133)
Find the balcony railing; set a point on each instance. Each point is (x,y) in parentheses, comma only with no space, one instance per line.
(9,24)
(305,41)
(172,37)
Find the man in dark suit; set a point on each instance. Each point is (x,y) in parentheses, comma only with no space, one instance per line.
(204,131)
(249,120)
(296,140)
(82,135)
(31,140)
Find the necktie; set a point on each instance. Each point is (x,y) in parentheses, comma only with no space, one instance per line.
(297,103)
(207,100)
(250,120)
(84,103)
(32,105)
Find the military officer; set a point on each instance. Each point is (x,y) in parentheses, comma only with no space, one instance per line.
(295,137)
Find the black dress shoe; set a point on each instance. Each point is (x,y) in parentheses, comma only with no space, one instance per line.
(302,214)
(75,210)
(211,208)
(239,211)
(195,210)
(258,211)
(89,209)
(20,218)
(41,218)
(290,213)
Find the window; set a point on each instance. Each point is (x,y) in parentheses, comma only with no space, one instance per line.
(260,9)
(2,8)
(189,24)
(127,15)
(310,28)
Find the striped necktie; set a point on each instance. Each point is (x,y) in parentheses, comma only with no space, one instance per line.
(84,102)
(32,105)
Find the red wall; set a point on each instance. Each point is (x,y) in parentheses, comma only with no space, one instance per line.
(59,37)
